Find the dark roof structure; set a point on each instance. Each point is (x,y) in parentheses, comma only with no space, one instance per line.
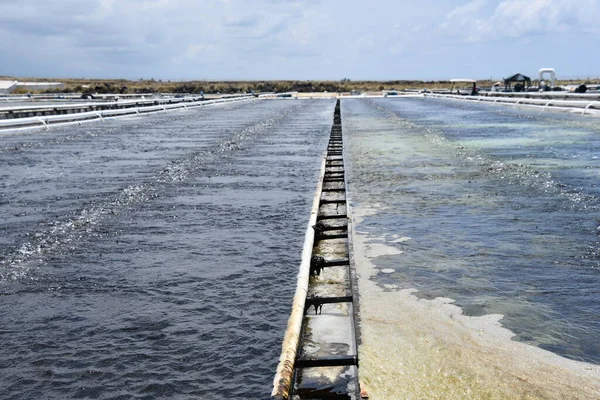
(521,81)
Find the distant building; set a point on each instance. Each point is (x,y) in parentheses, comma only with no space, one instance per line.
(7,87)
(35,86)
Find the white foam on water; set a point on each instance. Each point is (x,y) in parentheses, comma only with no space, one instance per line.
(415,348)
(380,249)
(401,239)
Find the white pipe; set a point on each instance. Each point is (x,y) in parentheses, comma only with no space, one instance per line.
(587,107)
(43,122)
(110,103)
(65,119)
(285,369)
(19,121)
(537,103)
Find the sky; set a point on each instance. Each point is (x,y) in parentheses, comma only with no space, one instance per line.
(298,39)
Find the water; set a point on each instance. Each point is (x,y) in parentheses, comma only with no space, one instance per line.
(156,256)
(495,208)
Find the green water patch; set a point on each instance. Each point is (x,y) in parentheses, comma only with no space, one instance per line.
(495,235)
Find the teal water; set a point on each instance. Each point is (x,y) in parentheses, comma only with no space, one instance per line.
(501,206)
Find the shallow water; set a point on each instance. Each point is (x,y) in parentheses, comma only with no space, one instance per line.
(492,207)
(154,256)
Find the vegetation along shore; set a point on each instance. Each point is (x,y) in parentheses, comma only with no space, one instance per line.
(125,86)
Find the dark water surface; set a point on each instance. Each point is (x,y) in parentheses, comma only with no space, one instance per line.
(154,256)
(496,208)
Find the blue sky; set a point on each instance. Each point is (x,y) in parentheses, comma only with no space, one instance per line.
(298,39)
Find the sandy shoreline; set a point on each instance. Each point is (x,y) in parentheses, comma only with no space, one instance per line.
(426,349)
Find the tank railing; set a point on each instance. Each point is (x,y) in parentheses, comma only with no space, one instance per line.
(589,94)
(94,106)
(100,104)
(88,116)
(544,104)
(61,97)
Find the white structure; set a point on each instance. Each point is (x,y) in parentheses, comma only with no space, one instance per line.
(545,71)
(32,86)
(7,87)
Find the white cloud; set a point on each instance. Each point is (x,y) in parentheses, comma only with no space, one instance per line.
(279,39)
(477,21)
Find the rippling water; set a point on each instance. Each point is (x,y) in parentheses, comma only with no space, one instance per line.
(493,207)
(154,256)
